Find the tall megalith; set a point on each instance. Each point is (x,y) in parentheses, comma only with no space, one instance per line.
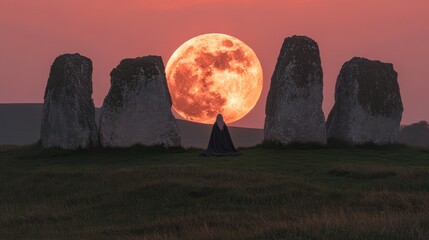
(137,109)
(68,117)
(294,104)
(368,106)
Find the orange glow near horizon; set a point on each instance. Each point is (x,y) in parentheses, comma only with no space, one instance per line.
(211,74)
(34,33)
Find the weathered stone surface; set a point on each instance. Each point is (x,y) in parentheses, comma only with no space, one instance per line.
(294,104)
(137,109)
(368,106)
(68,118)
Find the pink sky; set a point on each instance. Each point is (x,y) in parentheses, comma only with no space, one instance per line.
(33,33)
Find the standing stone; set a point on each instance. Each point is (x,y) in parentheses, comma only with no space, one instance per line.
(68,118)
(368,106)
(137,109)
(294,104)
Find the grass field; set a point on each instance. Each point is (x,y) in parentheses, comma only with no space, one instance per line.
(266,193)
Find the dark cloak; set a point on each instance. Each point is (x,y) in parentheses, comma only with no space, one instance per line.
(220,143)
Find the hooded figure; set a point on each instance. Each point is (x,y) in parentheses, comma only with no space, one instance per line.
(220,143)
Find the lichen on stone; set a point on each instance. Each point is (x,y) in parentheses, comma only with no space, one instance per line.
(68,119)
(137,109)
(294,103)
(368,105)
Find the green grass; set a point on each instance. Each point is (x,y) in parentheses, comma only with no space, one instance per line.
(269,192)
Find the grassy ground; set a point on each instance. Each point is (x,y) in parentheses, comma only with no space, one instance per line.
(266,193)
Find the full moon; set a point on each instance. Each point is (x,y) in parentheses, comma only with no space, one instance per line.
(214,73)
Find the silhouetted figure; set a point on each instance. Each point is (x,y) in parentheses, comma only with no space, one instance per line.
(220,143)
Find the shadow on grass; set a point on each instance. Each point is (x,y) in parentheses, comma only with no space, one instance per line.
(294,145)
(37,151)
(332,144)
(362,173)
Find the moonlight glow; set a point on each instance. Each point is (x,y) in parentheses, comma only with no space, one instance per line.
(211,74)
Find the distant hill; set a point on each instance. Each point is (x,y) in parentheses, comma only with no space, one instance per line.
(416,134)
(20,124)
